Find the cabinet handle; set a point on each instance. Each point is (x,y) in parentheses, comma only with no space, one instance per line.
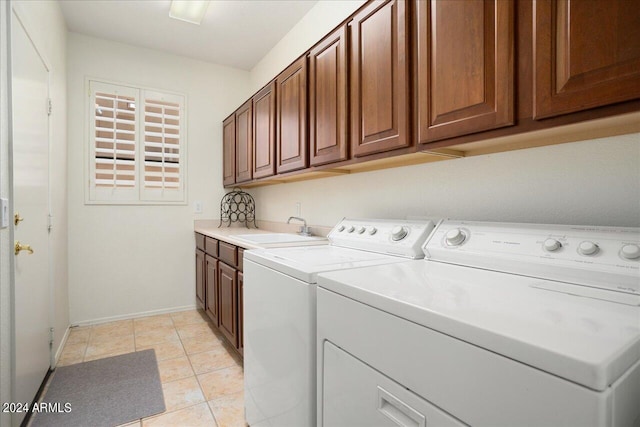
(398,411)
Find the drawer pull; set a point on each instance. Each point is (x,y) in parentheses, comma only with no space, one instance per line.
(398,411)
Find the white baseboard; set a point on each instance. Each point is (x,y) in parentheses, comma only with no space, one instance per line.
(58,353)
(100,320)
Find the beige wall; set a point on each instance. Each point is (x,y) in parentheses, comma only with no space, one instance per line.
(590,182)
(133,260)
(594,182)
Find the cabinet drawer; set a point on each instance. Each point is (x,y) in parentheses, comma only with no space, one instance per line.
(211,246)
(200,241)
(240,258)
(228,253)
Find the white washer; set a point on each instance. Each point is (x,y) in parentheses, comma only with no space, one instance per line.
(500,325)
(280,312)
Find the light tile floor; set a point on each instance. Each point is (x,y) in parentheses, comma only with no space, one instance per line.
(202,377)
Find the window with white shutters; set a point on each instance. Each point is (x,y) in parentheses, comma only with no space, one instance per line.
(137,142)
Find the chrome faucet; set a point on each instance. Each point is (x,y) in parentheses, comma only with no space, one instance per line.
(304,230)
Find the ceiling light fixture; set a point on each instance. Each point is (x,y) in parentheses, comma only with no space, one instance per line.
(189,10)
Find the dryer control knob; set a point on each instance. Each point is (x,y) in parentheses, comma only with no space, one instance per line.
(350,229)
(373,230)
(341,229)
(630,251)
(551,245)
(588,248)
(398,233)
(360,230)
(455,237)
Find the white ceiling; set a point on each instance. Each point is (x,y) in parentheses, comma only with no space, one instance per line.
(237,33)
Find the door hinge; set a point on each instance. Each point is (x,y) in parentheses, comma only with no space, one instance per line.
(49,222)
(51,330)
(49,106)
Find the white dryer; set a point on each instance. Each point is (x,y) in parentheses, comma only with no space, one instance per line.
(280,312)
(500,325)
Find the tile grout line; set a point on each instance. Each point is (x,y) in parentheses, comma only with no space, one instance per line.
(86,347)
(205,321)
(215,420)
(194,373)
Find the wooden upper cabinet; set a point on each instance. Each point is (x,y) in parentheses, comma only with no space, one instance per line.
(379,78)
(586,53)
(465,67)
(291,129)
(264,132)
(328,133)
(244,142)
(229,150)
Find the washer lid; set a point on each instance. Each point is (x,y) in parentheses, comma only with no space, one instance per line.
(305,262)
(582,338)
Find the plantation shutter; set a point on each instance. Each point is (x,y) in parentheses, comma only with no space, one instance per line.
(113,142)
(137,145)
(163,136)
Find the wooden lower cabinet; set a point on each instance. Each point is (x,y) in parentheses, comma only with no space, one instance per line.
(219,286)
(228,284)
(240,313)
(211,297)
(200,278)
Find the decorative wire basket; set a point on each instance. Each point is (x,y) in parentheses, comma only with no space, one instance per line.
(237,206)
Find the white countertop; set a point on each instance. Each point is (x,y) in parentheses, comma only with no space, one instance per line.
(227,234)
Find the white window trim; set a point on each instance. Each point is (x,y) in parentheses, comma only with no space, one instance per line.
(139,195)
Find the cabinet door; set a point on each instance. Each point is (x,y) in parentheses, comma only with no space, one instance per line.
(229,303)
(291,129)
(244,142)
(587,54)
(240,312)
(229,150)
(212,295)
(379,78)
(264,131)
(328,99)
(200,278)
(465,68)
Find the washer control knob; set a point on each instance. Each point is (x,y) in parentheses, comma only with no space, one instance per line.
(350,229)
(455,237)
(588,248)
(398,233)
(341,229)
(373,230)
(630,251)
(551,245)
(360,230)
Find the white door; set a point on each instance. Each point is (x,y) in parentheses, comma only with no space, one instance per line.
(30,93)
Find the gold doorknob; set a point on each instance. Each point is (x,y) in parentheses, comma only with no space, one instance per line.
(20,247)
(17,218)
